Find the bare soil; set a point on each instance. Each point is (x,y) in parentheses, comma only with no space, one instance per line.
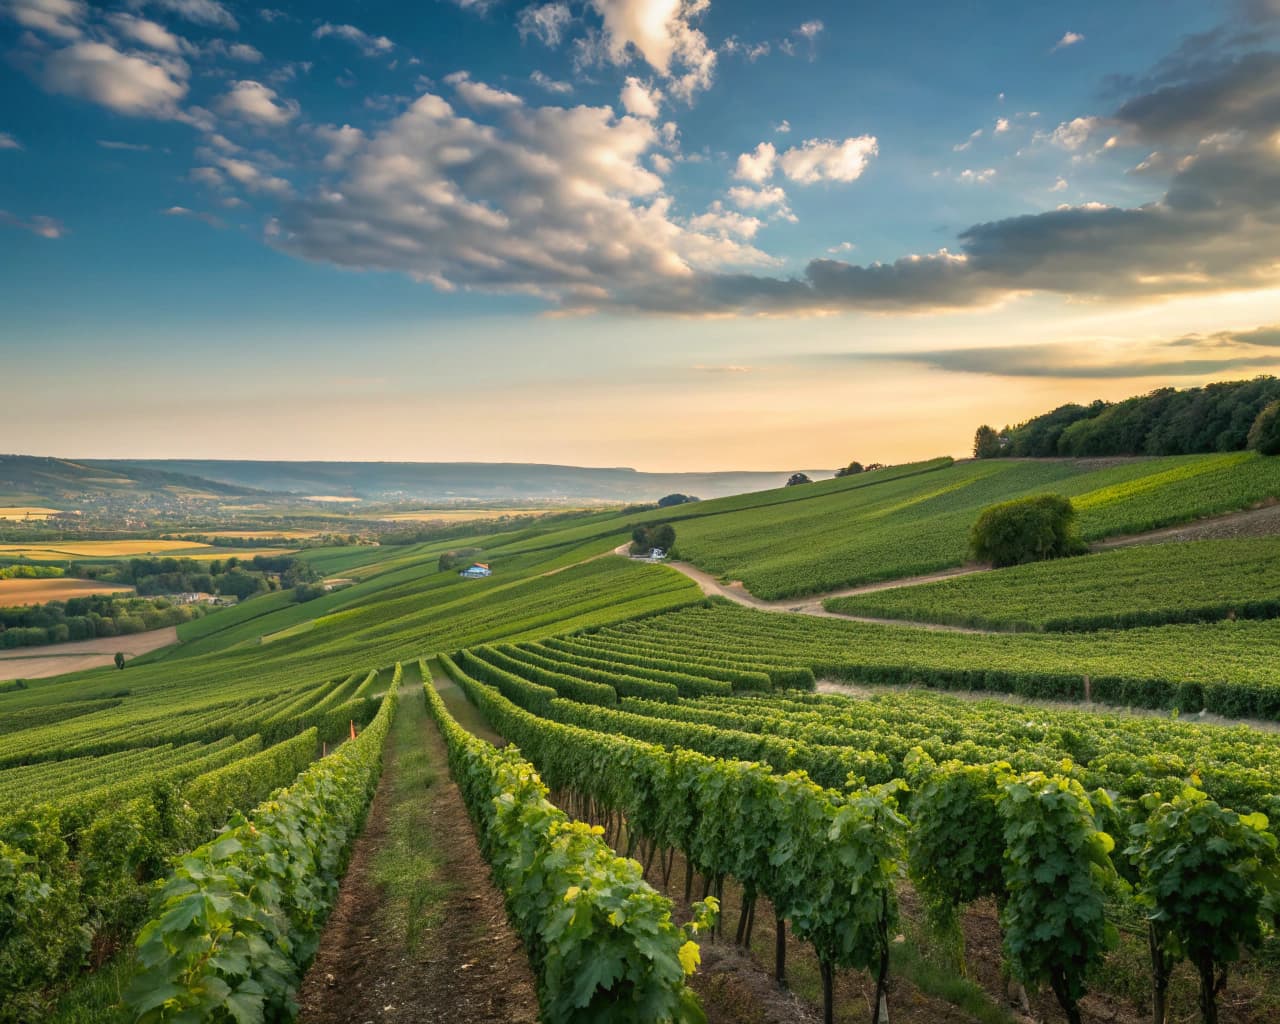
(55,659)
(1255,522)
(467,966)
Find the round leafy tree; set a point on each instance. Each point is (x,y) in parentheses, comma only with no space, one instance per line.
(1026,530)
(1264,435)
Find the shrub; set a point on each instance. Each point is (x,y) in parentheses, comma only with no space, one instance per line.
(1026,530)
(1264,435)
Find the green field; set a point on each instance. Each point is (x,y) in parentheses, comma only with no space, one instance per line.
(881,527)
(604,670)
(1150,584)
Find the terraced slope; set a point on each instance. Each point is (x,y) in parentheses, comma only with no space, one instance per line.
(918,524)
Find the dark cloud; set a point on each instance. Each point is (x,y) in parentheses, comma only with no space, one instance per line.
(1240,95)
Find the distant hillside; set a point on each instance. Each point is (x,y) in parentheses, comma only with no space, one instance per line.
(1213,418)
(463,481)
(29,476)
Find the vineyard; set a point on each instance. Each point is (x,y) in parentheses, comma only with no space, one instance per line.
(736,786)
(911,525)
(1147,585)
(174,836)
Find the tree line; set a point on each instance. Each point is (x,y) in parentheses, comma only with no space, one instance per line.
(1223,417)
(84,618)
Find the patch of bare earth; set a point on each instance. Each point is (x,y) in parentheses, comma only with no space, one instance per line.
(467,967)
(1254,522)
(80,655)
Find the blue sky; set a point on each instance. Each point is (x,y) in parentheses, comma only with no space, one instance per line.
(664,233)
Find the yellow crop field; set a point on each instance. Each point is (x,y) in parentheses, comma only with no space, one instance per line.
(434,515)
(244,554)
(56,551)
(258,534)
(20,592)
(100,549)
(17,512)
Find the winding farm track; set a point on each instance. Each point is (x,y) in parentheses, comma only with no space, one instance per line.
(812,605)
(1254,522)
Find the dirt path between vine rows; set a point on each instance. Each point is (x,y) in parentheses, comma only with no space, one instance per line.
(464,965)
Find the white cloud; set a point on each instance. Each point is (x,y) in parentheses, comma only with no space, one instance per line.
(828,160)
(253,101)
(210,177)
(660,32)
(544,81)
(960,147)
(60,18)
(812,161)
(782,127)
(1071,135)
(252,177)
(133,147)
(752,52)
(550,200)
(45,227)
(146,32)
(835,250)
(725,223)
(757,198)
(1059,186)
(183,211)
(236,51)
(480,95)
(1068,39)
(140,86)
(272,14)
(369,45)
(641,98)
(7,141)
(546,22)
(1002,126)
(770,197)
(983,177)
(757,165)
(811,29)
(660,163)
(223,143)
(202,12)
(342,142)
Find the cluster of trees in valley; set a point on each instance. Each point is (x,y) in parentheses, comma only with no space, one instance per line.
(84,618)
(1223,417)
(230,577)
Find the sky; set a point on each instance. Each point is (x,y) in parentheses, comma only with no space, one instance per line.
(668,234)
